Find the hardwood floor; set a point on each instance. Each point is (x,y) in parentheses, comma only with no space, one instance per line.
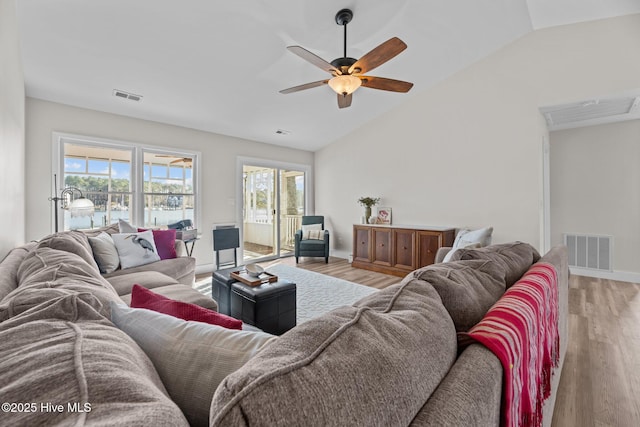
(600,382)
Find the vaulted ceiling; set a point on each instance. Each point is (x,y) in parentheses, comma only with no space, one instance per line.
(218,65)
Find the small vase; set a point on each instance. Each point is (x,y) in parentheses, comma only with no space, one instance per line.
(367,212)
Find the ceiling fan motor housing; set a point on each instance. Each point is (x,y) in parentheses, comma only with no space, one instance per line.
(343,64)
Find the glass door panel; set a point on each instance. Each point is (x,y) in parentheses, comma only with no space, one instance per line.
(259,208)
(291,208)
(273,205)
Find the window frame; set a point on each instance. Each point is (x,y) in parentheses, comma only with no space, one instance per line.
(137,169)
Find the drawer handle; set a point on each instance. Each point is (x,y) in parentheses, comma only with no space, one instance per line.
(404,247)
(382,245)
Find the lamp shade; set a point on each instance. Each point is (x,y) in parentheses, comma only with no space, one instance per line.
(345,84)
(81,207)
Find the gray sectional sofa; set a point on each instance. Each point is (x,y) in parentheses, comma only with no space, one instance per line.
(391,359)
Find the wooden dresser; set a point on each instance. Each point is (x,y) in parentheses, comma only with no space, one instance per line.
(397,249)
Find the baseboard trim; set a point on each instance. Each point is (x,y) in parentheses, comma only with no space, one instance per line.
(620,276)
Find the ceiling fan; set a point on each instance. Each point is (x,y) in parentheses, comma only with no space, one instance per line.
(348,73)
(187,161)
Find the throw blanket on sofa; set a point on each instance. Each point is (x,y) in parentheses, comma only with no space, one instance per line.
(521,329)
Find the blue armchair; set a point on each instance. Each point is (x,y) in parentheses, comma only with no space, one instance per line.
(311,246)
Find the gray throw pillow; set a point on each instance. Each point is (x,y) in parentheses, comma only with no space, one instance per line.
(125,227)
(105,253)
(192,358)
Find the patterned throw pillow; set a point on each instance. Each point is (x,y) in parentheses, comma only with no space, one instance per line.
(136,249)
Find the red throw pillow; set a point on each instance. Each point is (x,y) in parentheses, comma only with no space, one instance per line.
(165,242)
(142,297)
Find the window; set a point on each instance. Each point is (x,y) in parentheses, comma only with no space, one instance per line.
(168,189)
(146,186)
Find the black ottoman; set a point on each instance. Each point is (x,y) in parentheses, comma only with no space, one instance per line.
(270,306)
(221,288)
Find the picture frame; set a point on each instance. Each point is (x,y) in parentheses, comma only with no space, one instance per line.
(384,215)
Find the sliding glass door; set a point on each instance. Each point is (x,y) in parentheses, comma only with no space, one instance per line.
(273,202)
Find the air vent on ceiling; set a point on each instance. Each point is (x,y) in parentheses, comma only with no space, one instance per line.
(592,112)
(126,95)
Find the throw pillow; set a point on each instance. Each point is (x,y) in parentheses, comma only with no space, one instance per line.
(125,227)
(192,358)
(313,235)
(467,237)
(165,242)
(136,249)
(310,227)
(142,297)
(105,253)
(449,256)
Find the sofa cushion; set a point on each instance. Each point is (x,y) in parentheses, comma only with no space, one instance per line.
(144,298)
(192,358)
(123,283)
(74,242)
(45,268)
(105,252)
(347,366)
(9,268)
(135,249)
(109,229)
(470,394)
(64,352)
(182,269)
(515,257)
(467,288)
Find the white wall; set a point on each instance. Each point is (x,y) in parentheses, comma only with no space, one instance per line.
(595,187)
(218,161)
(468,152)
(12,145)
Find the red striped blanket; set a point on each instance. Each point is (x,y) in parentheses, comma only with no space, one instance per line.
(521,329)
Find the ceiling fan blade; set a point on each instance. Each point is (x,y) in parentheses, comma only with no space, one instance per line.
(344,101)
(184,160)
(378,56)
(386,84)
(314,59)
(304,86)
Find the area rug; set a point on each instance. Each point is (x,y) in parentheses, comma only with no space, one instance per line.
(316,293)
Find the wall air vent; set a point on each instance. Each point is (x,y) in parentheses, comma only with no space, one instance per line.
(589,251)
(591,112)
(127,95)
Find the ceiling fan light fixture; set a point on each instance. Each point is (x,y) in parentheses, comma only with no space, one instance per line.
(345,84)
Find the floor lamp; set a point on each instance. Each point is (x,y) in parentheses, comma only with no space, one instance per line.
(77,207)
